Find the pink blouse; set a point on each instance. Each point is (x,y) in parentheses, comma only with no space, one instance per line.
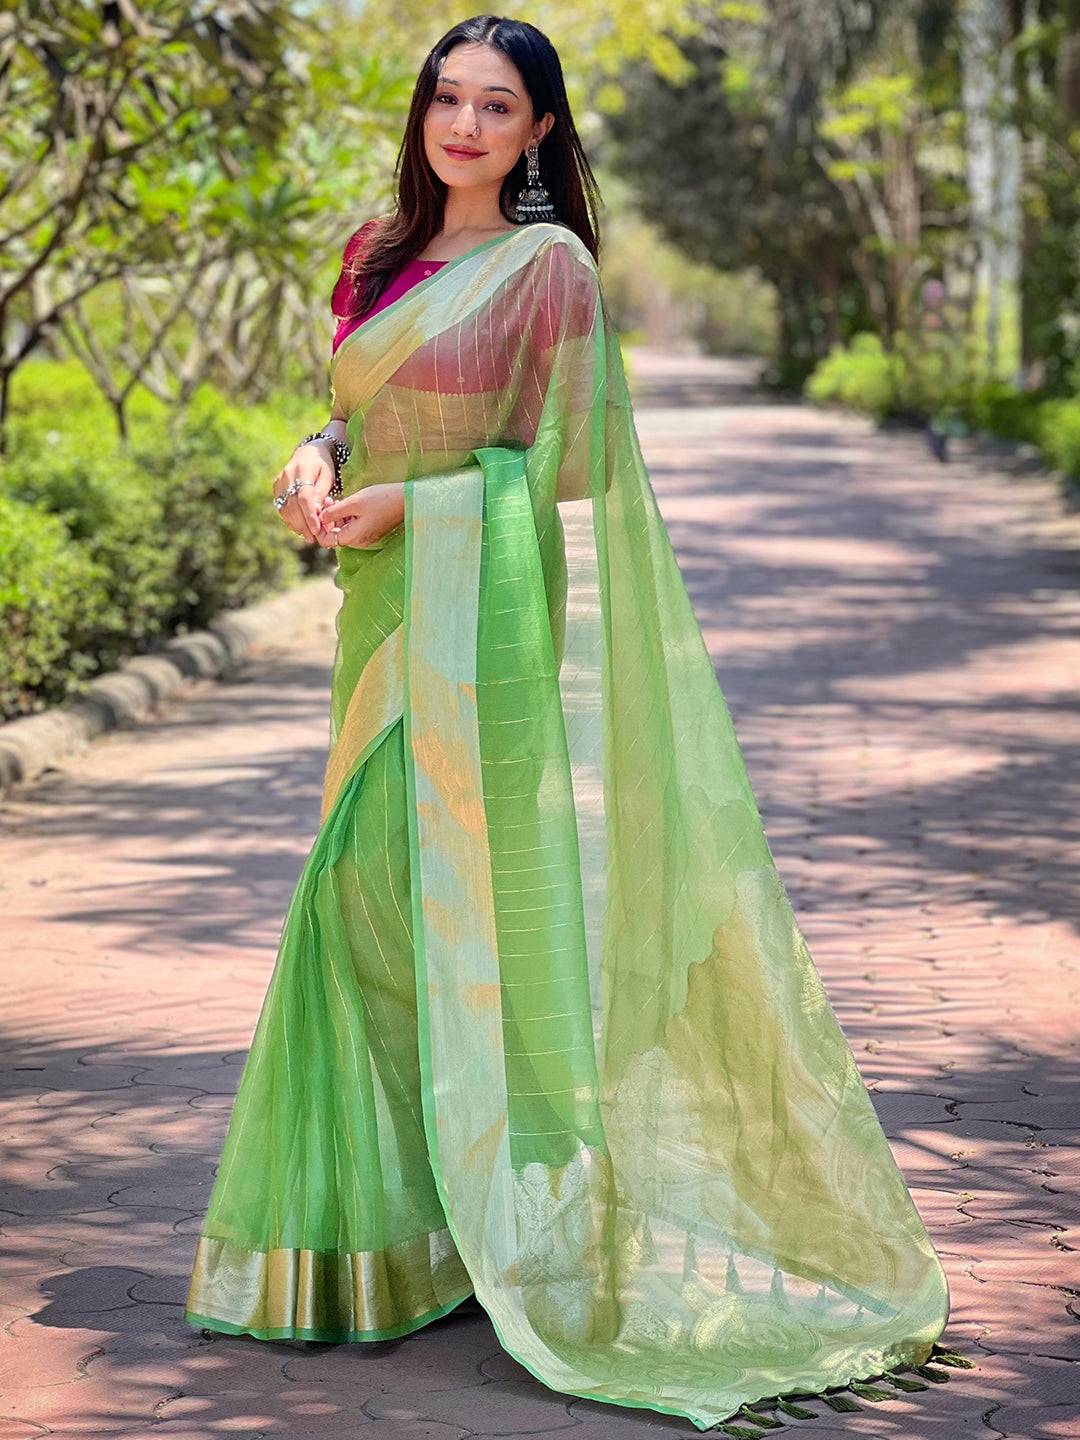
(409,275)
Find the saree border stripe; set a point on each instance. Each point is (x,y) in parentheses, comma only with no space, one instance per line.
(374,705)
(279,1294)
(454,934)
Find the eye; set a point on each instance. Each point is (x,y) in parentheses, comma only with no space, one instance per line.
(502,109)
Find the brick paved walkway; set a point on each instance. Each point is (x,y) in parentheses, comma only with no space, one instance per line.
(900,646)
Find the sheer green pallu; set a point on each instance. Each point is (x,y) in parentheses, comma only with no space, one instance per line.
(542,1024)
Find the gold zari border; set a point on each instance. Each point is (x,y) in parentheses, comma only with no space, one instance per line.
(315,1294)
(375,703)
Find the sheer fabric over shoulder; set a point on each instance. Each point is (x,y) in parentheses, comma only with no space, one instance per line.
(542,1025)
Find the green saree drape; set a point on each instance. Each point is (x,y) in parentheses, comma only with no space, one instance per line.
(542,1024)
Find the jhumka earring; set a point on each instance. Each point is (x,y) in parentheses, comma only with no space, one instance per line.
(533,202)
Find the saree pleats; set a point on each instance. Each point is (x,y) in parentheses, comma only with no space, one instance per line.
(325,1223)
(543,1025)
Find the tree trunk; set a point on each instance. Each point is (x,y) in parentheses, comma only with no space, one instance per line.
(5,388)
(993,170)
(1068,73)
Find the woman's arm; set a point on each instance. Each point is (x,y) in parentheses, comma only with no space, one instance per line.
(313,465)
(360,519)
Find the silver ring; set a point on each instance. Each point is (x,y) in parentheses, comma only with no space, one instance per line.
(280,501)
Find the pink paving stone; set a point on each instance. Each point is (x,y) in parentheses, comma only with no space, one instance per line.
(1055,1422)
(286,1412)
(33,1355)
(899,643)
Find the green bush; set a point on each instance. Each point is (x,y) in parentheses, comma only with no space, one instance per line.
(1000,409)
(210,470)
(49,591)
(117,520)
(862,376)
(52,389)
(1058,434)
(108,548)
(923,382)
(51,392)
(933,384)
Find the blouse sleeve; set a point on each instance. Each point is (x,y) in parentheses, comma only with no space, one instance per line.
(341,298)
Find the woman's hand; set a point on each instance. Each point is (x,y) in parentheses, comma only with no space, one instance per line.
(313,465)
(366,516)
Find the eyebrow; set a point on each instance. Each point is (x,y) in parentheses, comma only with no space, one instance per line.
(505,88)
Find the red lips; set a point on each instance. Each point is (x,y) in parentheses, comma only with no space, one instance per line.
(461,150)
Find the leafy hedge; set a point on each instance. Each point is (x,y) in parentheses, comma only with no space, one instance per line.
(105,550)
(865,377)
(49,589)
(861,376)
(1059,435)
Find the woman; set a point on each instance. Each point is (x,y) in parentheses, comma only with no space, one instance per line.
(542,1026)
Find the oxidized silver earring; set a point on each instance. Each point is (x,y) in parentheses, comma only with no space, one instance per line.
(533,202)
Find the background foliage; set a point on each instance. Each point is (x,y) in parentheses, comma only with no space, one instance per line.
(880,200)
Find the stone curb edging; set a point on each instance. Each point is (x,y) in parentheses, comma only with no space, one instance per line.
(34,743)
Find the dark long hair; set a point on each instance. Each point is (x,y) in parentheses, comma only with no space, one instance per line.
(565,172)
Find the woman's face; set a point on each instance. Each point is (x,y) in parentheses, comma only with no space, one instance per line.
(480,105)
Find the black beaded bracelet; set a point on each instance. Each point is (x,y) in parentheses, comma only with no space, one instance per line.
(341,453)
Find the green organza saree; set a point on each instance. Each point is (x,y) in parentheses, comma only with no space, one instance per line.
(542,1025)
